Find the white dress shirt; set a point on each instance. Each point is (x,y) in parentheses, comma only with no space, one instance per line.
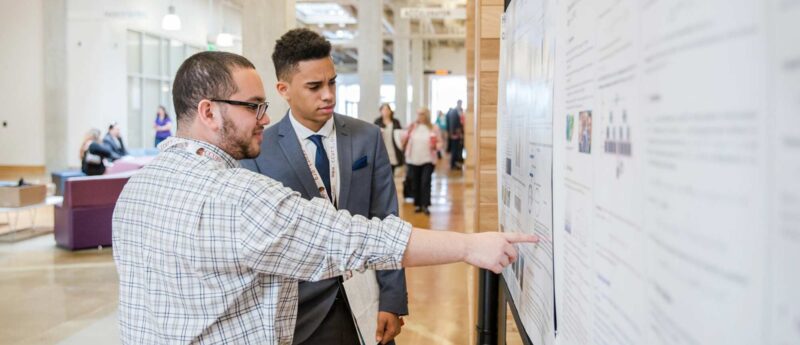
(328,133)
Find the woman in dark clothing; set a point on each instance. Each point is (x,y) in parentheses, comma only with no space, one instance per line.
(93,154)
(388,125)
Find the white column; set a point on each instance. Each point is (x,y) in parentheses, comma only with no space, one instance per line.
(263,23)
(400,67)
(370,57)
(56,126)
(417,76)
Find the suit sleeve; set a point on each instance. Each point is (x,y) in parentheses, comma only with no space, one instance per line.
(392,283)
(110,148)
(250,164)
(100,150)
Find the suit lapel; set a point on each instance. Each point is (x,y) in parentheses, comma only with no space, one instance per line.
(344,148)
(290,145)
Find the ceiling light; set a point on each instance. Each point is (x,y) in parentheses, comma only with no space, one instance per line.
(171,21)
(341,25)
(339,33)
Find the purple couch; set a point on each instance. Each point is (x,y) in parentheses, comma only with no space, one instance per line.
(83,220)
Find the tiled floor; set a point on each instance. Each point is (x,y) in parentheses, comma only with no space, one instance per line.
(48,294)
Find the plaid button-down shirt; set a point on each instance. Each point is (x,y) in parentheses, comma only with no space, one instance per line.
(209,253)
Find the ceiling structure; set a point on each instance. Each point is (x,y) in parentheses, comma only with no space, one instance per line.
(337,21)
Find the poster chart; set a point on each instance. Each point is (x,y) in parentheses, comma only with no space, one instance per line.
(661,168)
(525,181)
(783,68)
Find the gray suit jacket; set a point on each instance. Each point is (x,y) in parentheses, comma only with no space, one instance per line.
(365,189)
(116,151)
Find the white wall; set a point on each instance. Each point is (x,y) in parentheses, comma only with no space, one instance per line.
(453,59)
(96,79)
(22,83)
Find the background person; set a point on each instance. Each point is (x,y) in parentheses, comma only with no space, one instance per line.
(455,135)
(113,142)
(350,159)
(388,125)
(93,154)
(421,143)
(162,125)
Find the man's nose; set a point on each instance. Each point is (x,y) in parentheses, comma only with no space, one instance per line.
(328,93)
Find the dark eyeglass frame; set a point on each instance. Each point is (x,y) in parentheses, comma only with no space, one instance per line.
(259,108)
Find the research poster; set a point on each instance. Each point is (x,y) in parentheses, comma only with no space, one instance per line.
(783,67)
(525,163)
(655,147)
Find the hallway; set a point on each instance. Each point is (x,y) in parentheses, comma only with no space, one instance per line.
(53,296)
(441,298)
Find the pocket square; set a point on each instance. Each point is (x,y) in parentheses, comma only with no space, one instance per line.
(360,163)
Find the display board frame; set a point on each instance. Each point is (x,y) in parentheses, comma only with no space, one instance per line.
(507,303)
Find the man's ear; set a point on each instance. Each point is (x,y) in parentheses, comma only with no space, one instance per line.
(283,89)
(205,114)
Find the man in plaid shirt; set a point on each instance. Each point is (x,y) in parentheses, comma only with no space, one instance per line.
(208,252)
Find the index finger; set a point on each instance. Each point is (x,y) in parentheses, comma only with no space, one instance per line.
(513,237)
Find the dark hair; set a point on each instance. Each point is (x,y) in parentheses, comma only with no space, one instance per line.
(298,45)
(391,112)
(166,114)
(204,75)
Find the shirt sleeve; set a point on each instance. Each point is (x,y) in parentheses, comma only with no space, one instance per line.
(286,235)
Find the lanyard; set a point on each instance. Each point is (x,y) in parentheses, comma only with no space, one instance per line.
(196,149)
(315,174)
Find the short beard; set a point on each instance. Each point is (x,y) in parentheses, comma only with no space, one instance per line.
(237,147)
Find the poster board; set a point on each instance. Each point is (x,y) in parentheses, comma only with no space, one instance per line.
(655,148)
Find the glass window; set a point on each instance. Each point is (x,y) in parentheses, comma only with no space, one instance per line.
(134,52)
(164,63)
(191,51)
(151,99)
(134,111)
(166,97)
(445,91)
(150,56)
(387,93)
(152,63)
(350,96)
(351,108)
(176,56)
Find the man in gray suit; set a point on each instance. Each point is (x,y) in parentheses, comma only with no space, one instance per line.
(321,154)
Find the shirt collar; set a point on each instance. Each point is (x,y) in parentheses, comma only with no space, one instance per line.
(208,150)
(303,132)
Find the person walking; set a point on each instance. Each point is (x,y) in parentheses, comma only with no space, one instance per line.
(421,143)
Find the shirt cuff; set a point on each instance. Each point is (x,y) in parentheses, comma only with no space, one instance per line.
(394,236)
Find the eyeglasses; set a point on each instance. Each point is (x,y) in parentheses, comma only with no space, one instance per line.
(259,108)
